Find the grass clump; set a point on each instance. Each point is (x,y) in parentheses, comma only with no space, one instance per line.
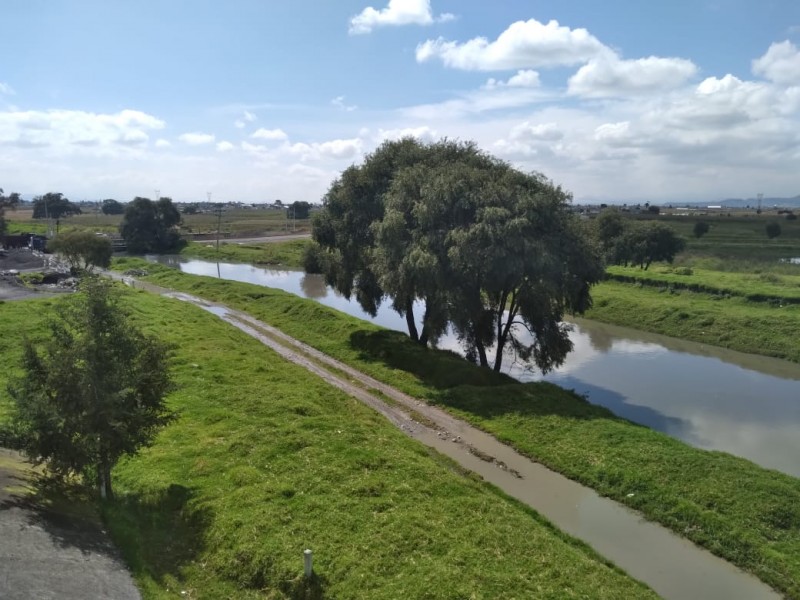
(266,460)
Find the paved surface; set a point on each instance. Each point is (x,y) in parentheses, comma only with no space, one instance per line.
(45,555)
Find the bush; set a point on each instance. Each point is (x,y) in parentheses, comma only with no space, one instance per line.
(773,229)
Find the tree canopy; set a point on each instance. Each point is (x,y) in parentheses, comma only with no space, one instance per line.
(112,207)
(299,210)
(773,229)
(9,201)
(95,389)
(490,250)
(83,249)
(53,205)
(149,226)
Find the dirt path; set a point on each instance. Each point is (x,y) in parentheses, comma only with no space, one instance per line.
(46,554)
(672,566)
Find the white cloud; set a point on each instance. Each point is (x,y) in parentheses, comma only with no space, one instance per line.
(610,76)
(247,117)
(76,129)
(224,146)
(423,133)
(780,64)
(6,89)
(197,139)
(547,132)
(397,12)
(525,44)
(269,134)
(526,79)
(338,102)
(162,143)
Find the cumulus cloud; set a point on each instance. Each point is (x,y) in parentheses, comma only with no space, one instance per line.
(780,64)
(397,12)
(547,132)
(269,135)
(162,143)
(6,89)
(525,44)
(609,76)
(71,128)
(197,139)
(224,146)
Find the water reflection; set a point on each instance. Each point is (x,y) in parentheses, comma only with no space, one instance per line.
(706,396)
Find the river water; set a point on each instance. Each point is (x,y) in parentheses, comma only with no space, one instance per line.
(709,397)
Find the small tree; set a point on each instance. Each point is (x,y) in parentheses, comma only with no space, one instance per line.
(299,210)
(53,205)
(83,249)
(773,229)
(700,229)
(95,391)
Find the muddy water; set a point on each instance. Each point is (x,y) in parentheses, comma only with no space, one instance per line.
(708,397)
(672,566)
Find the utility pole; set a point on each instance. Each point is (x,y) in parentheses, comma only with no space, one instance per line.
(158,195)
(219,218)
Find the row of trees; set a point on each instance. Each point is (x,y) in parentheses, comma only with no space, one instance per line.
(486,248)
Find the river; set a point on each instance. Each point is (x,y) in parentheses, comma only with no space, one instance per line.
(709,397)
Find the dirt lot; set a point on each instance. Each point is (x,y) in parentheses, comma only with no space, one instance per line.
(21,261)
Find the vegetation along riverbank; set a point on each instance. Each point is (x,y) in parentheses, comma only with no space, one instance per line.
(742,512)
(266,460)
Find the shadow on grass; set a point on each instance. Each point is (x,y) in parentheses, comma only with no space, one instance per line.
(438,369)
(302,588)
(159,533)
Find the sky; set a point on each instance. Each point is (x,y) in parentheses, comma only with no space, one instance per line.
(258,100)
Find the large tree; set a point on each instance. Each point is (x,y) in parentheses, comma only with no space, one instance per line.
(298,210)
(96,389)
(485,247)
(149,226)
(53,205)
(9,201)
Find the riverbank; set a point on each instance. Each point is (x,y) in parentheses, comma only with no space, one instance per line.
(739,511)
(266,460)
(266,253)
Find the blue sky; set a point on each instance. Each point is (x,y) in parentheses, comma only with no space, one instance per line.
(621,100)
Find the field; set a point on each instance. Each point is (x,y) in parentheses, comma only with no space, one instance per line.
(266,460)
(234,223)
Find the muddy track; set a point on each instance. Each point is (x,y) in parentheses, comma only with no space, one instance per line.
(672,566)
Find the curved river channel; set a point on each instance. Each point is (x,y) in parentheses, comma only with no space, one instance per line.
(709,397)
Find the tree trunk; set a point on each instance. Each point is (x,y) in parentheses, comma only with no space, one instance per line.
(104,481)
(412,326)
(498,358)
(482,353)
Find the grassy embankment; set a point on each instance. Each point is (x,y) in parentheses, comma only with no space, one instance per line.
(267,460)
(287,254)
(742,512)
(727,288)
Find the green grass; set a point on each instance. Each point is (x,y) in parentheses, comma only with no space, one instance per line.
(756,286)
(762,328)
(267,460)
(740,511)
(287,254)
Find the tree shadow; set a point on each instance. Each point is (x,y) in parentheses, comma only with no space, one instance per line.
(438,369)
(159,533)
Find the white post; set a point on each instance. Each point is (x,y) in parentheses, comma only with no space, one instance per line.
(307,559)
